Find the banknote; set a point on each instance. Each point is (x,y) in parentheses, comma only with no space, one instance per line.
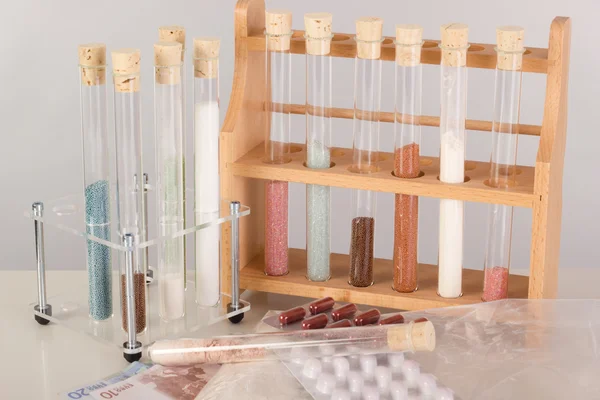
(84,391)
(160,383)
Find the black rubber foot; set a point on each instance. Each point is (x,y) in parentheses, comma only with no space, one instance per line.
(237,318)
(132,357)
(41,320)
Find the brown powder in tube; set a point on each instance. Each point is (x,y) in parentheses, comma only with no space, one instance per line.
(361,252)
(139,295)
(406,222)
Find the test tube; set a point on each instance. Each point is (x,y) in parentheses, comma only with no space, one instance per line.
(367,99)
(168,126)
(96,176)
(318,142)
(176,33)
(277,141)
(291,345)
(130,194)
(454,47)
(206,165)
(407,130)
(507,98)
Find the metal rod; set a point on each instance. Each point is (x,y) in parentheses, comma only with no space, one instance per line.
(149,273)
(38,212)
(234,209)
(129,290)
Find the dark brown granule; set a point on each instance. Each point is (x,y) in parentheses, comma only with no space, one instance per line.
(139,293)
(361,252)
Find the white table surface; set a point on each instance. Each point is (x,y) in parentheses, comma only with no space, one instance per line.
(40,361)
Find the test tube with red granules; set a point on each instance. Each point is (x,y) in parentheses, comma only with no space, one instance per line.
(409,40)
(503,170)
(367,101)
(277,141)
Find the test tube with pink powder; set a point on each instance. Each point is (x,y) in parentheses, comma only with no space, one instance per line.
(277,141)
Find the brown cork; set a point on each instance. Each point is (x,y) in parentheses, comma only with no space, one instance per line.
(173,33)
(318,32)
(206,57)
(455,42)
(126,70)
(279,29)
(509,41)
(418,336)
(167,62)
(368,37)
(92,60)
(409,40)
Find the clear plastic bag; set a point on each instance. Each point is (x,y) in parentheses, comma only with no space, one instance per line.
(517,349)
(510,349)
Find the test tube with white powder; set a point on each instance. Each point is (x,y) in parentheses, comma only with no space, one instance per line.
(454,47)
(206,166)
(168,115)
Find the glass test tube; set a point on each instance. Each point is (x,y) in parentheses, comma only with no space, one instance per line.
(290,345)
(277,141)
(454,47)
(176,33)
(206,164)
(503,172)
(130,195)
(409,40)
(96,175)
(367,99)
(168,125)
(318,143)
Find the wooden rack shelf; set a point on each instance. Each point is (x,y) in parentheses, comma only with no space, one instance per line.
(380,294)
(243,172)
(480,55)
(251,165)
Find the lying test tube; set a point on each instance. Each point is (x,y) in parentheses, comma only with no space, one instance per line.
(296,344)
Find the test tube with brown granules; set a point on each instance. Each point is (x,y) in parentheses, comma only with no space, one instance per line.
(129,171)
(367,99)
(409,40)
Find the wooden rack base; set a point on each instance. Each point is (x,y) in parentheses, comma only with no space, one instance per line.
(380,294)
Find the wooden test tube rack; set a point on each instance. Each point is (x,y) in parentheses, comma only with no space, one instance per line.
(243,173)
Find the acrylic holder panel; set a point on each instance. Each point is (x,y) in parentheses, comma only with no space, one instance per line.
(71,308)
(539,187)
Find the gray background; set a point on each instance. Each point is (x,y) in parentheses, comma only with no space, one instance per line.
(40,153)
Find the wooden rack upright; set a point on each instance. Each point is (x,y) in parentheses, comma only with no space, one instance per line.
(243,172)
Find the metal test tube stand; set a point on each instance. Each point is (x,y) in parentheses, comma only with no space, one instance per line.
(132,348)
(234,209)
(38,226)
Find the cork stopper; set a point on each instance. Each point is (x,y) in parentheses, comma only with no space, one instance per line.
(167,60)
(455,41)
(509,41)
(173,33)
(318,32)
(423,336)
(92,59)
(409,40)
(418,336)
(206,57)
(369,32)
(126,70)
(279,29)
